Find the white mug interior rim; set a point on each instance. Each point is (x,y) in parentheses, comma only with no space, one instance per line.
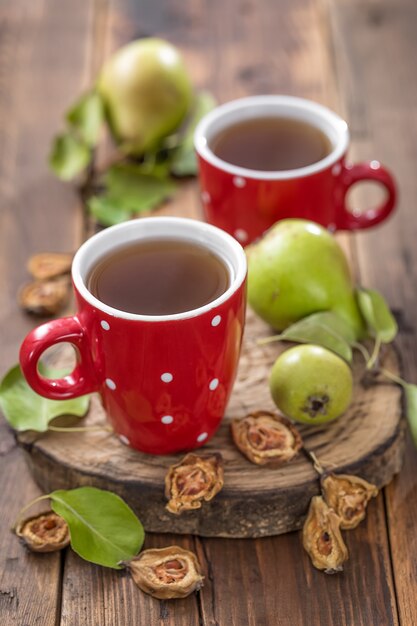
(251,107)
(178,228)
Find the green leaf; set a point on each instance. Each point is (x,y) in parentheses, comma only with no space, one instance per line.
(86,117)
(129,190)
(107,211)
(411,405)
(326,329)
(69,156)
(127,185)
(103,528)
(24,409)
(184,162)
(378,317)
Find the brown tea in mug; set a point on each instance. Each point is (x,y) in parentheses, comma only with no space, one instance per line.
(159,277)
(271,144)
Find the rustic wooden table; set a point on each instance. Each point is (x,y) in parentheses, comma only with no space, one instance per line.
(357,56)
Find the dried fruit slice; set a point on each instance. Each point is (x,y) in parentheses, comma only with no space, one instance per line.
(194,479)
(322,539)
(266,438)
(348,496)
(166,573)
(46,532)
(46,265)
(44,297)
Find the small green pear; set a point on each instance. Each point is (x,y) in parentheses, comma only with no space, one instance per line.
(311,385)
(146,93)
(297,269)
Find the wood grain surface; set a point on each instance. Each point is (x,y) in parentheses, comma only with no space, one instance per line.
(36,212)
(356,56)
(382,122)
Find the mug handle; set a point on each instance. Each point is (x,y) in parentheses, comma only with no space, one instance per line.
(81,380)
(372,171)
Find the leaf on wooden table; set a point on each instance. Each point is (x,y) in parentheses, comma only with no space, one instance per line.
(378,317)
(86,117)
(184,162)
(24,409)
(103,528)
(69,156)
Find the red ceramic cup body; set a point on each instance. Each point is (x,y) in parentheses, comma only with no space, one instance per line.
(245,202)
(164,380)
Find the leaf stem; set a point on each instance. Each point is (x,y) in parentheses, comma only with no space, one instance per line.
(264,340)
(28,506)
(375,353)
(149,161)
(393,377)
(85,191)
(364,352)
(316,463)
(80,429)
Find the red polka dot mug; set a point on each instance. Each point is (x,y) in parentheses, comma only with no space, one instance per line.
(164,379)
(246,202)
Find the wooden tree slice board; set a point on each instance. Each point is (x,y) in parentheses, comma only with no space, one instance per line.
(255,501)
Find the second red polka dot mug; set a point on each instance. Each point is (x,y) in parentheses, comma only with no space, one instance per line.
(246,202)
(165,379)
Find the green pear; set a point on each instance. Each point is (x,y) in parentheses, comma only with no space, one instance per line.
(297,269)
(146,93)
(310,384)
